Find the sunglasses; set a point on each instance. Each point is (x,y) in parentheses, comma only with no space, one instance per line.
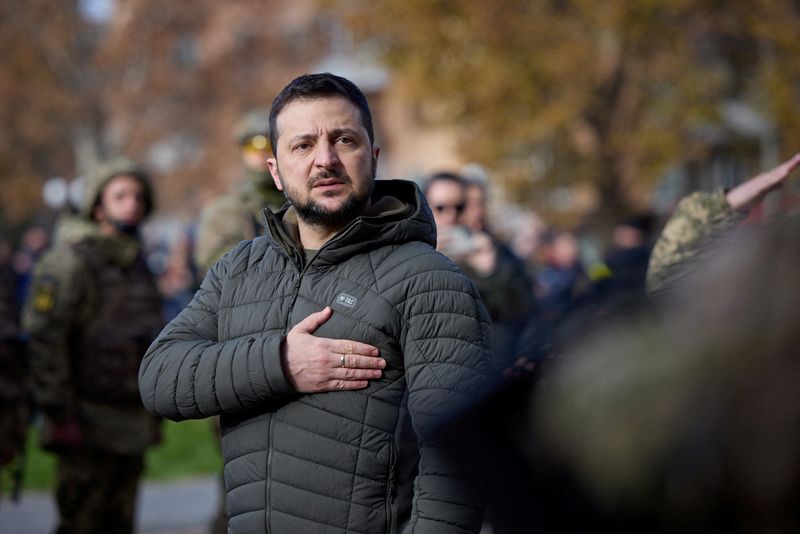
(441,208)
(257,143)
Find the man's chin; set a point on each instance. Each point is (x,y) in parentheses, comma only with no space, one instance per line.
(333,211)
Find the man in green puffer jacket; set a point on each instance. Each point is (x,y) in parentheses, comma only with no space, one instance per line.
(335,347)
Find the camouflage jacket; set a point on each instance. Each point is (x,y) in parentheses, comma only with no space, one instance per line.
(230,219)
(699,220)
(92,312)
(14,406)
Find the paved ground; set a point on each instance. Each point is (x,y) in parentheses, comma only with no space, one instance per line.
(184,507)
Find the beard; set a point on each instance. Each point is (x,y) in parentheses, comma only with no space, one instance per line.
(315,214)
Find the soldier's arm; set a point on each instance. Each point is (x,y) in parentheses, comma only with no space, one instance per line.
(188,373)
(223,224)
(700,219)
(447,357)
(49,316)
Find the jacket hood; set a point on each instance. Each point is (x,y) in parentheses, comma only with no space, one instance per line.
(398,214)
(103,173)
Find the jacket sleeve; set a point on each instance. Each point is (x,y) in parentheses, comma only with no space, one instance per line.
(188,373)
(51,314)
(693,230)
(448,363)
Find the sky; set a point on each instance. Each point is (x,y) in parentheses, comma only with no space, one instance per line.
(97,11)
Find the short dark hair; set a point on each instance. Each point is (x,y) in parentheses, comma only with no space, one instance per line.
(445,177)
(312,86)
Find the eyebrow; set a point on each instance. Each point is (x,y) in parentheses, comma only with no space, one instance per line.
(335,133)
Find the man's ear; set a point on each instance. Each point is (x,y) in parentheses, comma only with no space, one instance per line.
(272,163)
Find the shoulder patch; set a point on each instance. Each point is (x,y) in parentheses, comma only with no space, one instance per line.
(43,297)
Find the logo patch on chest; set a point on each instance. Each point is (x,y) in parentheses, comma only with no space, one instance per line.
(346,300)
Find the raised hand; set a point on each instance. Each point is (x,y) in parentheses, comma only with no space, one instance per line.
(745,195)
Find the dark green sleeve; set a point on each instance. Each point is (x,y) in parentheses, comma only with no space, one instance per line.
(51,316)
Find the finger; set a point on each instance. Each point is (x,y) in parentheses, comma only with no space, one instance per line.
(354,361)
(350,374)
(343,385)
(793,163)
(785,168)
(346,346)
(314,321)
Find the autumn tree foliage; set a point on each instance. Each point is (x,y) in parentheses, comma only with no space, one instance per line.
(162,82)
(41,107)
(557,91)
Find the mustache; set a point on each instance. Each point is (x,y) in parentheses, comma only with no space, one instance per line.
(327,175)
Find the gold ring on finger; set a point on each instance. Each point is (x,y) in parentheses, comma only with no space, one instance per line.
(343,361)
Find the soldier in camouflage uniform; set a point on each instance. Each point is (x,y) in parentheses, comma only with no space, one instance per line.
(698,223)
(14,405)
(92,312)
(237,216)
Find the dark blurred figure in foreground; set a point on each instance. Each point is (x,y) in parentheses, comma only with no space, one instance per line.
(459,210)
(14,395)
(689,422)
(93,310)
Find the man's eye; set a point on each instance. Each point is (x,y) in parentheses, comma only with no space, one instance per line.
(345,140)
(302,146)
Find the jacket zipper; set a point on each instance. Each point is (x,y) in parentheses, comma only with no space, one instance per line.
(390,487)
(301,268)
(268,504)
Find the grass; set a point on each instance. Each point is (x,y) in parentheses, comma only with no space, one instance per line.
(186,450)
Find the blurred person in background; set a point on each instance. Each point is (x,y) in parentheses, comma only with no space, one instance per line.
(629,255)
(616,288)
(15,406)
(460,210)
(92,311)
(237,216)
(34,241)
(176,279)
(561,279)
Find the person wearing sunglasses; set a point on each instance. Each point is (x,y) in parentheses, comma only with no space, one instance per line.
(500,277)
(236,215)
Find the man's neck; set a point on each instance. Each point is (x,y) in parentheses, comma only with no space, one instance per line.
(314,237)
(109,229)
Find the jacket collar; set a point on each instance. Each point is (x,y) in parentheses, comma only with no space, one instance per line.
(398,214)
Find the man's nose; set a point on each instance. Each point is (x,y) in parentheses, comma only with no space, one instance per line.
(325,155)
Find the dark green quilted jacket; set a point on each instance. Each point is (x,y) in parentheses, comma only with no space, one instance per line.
(339,461)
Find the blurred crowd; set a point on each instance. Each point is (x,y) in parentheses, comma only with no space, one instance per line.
(615,408)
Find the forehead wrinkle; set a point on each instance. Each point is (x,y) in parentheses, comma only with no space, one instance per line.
(338,105)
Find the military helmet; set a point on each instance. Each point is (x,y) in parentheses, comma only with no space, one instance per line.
(253,124)
(103,173)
